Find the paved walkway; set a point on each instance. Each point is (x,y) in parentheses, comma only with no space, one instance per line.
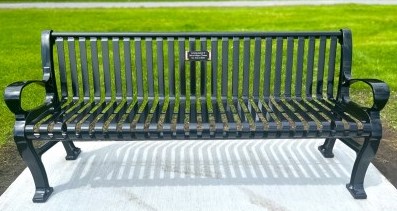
(201,175)
(190,4)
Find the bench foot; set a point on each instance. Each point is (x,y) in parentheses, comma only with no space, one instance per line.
(357,191)
(72,152)
(42,194)
(364,158)
(33,161)
(327,147)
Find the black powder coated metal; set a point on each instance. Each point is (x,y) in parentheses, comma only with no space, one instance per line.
(139,86)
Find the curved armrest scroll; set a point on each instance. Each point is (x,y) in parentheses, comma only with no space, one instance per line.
(13,94)
(380,91)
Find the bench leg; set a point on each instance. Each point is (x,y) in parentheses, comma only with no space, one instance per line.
(364,158)
(72,152)
(327,147)
(36,167)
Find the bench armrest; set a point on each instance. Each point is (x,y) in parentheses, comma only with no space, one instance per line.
(13,94)
(380,91)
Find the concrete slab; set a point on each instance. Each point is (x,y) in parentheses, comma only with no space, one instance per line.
(201,175)
(247,3)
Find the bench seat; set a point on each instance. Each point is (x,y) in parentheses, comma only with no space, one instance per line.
(238,118)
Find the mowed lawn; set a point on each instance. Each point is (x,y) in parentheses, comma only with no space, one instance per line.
(374,37)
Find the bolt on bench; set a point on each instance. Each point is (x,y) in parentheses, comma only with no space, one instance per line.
(167,86)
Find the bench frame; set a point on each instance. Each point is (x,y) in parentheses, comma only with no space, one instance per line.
(32,155)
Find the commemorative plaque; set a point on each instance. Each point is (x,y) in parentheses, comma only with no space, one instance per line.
(198,56)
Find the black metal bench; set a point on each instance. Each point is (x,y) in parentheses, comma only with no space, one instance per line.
(165,86)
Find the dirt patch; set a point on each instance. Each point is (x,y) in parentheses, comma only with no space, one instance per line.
(386,159)
(11,164)
(261,201)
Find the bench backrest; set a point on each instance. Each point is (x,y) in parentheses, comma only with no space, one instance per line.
(139,65)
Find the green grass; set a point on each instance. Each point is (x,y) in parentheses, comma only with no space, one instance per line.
(374,36)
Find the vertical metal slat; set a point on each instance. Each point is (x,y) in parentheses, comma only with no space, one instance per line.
(171,66)
(62,66)
(84,67)
(321,61)
(182,78)
(278,69)
(95,67)
(138,63)
(331,67)
(299,67)
(192,47)
(268,66)
(214,65)
(160,67)
(225,67)
(246,66)
(257,65)
(310,64)
(203,69)
(73,66)
(236,59)
(106,67)
(128,72)
(288,74)
(117,67)
(149,66)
